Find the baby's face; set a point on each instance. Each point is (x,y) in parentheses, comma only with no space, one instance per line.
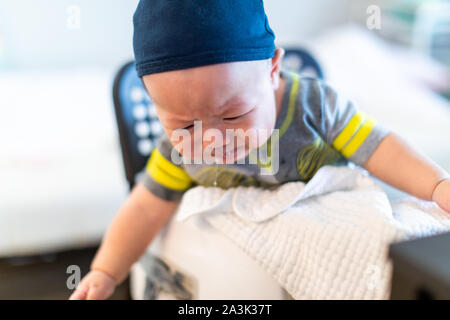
(224,97)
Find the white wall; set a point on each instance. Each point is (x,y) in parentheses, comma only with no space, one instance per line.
(296,21)
(35,32)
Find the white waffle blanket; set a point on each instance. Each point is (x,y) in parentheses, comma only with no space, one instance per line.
(327,239)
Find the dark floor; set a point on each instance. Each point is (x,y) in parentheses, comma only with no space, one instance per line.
(44,277)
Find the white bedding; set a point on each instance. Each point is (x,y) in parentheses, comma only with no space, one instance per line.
(61,173)
(327,239)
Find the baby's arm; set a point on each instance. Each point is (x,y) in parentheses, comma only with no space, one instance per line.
(398,164)
(137,222)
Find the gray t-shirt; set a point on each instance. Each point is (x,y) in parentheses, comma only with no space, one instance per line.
(316,127)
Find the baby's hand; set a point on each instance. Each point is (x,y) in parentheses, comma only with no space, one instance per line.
(96,285)
(441,195)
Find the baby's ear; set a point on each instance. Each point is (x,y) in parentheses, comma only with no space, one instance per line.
(282,52)
(279,55)
(275,66)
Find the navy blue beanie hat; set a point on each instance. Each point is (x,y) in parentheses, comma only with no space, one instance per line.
(179,34)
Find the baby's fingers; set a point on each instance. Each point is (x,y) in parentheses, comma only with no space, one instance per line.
(80,293)
(441,195)
(98,293)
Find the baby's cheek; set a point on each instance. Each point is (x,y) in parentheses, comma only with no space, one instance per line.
(259,121)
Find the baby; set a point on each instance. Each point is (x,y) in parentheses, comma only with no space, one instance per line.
(213,72)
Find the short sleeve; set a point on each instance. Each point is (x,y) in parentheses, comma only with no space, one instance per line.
(354,133)
(163,177)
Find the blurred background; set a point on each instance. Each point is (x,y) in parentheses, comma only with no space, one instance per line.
(61,172)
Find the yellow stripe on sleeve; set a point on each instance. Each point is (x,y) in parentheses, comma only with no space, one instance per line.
(349,130)
(359,138)
(166,173)
(291,103)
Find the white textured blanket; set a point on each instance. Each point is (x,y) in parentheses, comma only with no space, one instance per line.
(327,239)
